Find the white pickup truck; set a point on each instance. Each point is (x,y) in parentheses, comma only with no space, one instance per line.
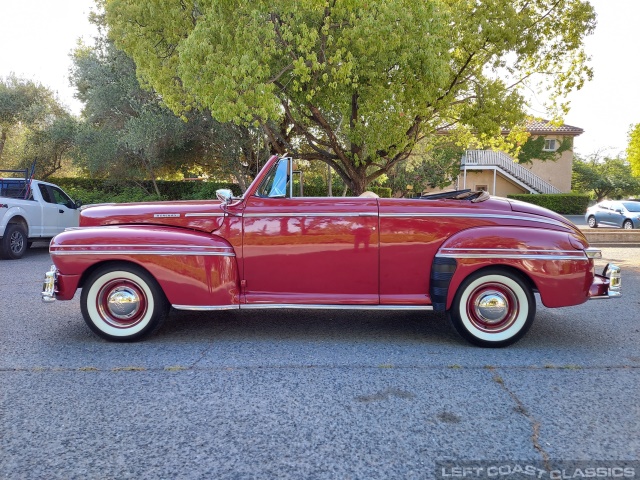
(31,210)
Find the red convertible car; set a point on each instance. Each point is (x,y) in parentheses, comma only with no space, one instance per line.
(481,259)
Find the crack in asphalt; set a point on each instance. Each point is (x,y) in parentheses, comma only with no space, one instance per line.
(522,410)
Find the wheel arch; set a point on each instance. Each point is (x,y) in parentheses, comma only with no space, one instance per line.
(18,218)
(115,264)
(514,270)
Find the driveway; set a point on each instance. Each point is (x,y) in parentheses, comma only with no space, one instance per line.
(307,394)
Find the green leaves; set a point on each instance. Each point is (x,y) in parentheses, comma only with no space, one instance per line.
(633,149)
(358,84)
(605,177)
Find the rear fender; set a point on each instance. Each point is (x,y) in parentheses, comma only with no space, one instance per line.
(553,262)
(14,215)
(193,268)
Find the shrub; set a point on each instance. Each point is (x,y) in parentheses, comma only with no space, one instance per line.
(89,190)
(564,203)
(382,192)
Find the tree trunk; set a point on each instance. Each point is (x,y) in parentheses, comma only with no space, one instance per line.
(3,140)
(358,183)
(149,165)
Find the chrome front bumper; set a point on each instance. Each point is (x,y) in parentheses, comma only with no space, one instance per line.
(608,284)
(49,286)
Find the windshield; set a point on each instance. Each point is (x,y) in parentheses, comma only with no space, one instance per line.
(275,183)
(632,206)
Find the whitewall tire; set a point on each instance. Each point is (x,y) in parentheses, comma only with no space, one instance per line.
(493,308)
(122,302)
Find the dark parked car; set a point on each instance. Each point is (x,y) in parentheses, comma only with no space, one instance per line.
(622,214)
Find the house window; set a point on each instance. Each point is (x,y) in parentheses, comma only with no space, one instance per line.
(549,146)
(481,188)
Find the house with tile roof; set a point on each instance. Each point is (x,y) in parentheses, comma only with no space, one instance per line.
(499,174)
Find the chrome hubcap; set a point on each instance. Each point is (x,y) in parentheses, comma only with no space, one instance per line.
(123,303)
(492,307)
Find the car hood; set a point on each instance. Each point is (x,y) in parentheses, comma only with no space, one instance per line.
(205,216)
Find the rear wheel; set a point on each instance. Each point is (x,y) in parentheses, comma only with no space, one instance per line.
(14,242)
(122,303)
(627,225)
(493,308)
(591,221)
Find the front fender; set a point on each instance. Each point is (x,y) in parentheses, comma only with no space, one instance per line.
(553,261)
(193,268)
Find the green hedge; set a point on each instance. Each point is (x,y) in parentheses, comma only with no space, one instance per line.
(382,192)
(89,190)
(564,203)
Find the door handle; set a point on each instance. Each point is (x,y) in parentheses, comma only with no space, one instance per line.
(60,210)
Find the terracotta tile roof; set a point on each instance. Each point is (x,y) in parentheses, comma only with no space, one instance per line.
(538,127)
(544,127)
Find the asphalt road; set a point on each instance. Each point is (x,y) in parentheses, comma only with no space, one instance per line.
(307,394)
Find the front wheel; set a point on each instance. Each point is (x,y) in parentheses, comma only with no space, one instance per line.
(14,242)
(592,222)
(493,308)
(122,303)
(627,225)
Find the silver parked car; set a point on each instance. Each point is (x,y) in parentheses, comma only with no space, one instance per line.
(613,213)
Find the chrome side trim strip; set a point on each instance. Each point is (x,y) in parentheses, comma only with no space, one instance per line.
(311,214)
(144,252)
(578,253)
(204,214)
(204,308)
(129,245)
(473,215)
(522,256)
(526,257)
(301,306)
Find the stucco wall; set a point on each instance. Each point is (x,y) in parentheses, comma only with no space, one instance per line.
(476,178)
(557,173)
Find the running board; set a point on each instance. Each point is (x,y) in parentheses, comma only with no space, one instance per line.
(300,306)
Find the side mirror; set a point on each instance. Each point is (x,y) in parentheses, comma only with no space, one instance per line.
(224,195)
(78,204)
(618,211)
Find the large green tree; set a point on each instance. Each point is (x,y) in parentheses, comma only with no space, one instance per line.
(355,84)
(128,132)
(25,105)
(34,126)
(604,177)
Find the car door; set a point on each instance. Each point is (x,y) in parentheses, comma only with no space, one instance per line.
(604,213)
(617,214)
(310,251)
(60,209)
(50,212)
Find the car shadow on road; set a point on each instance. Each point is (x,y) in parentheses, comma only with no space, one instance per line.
(316,325)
